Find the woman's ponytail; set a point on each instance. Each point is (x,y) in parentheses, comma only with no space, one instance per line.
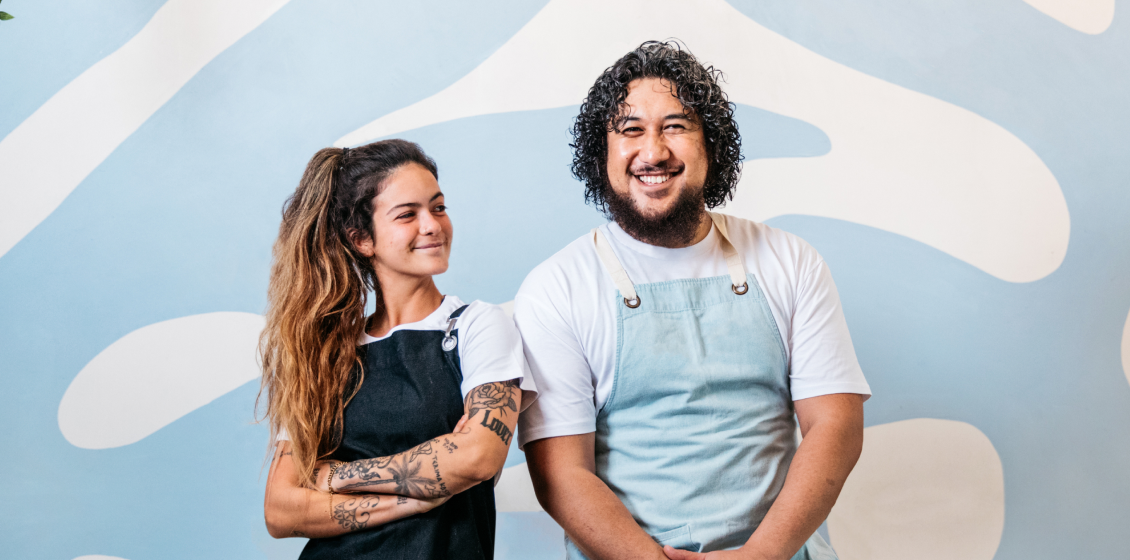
(317,294)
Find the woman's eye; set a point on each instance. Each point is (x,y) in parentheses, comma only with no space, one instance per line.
(441,208)
(406,215)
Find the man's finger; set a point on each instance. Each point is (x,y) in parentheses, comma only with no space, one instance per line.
(676,554)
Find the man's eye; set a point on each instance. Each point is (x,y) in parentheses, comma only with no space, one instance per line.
(441,208)
(406,215)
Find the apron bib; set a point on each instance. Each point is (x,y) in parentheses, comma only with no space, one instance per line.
(698,432)
(410,394)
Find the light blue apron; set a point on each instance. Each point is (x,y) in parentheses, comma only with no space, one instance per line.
(698,432)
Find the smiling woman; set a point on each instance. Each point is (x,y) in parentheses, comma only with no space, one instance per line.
(388,428)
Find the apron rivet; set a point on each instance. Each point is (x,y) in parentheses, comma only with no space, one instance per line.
(449,343)
(633,303)
(740,290)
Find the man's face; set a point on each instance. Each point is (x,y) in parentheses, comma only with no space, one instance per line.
(658,153)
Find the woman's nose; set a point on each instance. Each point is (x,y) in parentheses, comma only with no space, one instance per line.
(428,223)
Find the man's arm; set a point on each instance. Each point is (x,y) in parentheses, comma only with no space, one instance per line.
(563,472)
(832,426)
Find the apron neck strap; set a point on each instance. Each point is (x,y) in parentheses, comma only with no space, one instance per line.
(615,269)
(628,290)
(733,259)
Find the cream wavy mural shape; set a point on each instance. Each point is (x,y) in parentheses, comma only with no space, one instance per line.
(1087,16)
(900,160)
(154,375)
(924,488)
(91,116)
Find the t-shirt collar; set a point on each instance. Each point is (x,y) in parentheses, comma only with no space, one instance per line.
(706,246)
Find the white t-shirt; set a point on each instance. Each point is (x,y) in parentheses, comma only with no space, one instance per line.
(490,349)
(566,312)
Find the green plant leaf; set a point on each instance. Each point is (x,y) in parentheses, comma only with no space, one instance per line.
(5,16)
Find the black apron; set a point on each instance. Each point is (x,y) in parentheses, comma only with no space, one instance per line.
(410,394)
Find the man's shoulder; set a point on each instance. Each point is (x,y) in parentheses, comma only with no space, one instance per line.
(762,241)
(576,261)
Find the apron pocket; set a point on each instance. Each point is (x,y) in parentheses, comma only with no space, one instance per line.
(679,537)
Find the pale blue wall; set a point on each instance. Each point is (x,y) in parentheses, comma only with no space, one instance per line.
(179,219)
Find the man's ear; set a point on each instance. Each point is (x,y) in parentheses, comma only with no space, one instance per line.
(363,243)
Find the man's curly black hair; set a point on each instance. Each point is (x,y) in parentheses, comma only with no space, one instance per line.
(697,89)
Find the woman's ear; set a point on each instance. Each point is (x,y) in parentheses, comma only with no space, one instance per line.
(363,243)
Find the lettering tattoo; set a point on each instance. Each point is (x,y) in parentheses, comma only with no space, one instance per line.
(450,447)
(439,478)
(498,427)
(491,396)
(297,534)
(351,515)
(401,500)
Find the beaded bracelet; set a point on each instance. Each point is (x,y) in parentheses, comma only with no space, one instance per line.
(330,480)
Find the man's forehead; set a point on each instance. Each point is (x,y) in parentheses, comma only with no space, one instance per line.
(652,99)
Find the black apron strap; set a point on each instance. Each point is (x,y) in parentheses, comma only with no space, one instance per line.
(451,343)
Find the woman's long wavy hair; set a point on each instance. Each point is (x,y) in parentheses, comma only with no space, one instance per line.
(696,86)
(318,289)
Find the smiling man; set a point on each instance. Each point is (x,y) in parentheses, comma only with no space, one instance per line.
(676,349)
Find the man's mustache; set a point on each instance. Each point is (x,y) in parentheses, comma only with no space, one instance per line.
(656,169)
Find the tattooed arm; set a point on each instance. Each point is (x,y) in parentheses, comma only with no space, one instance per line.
(448,464)
(293,510)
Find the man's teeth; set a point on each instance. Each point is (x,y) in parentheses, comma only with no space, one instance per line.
(653,179)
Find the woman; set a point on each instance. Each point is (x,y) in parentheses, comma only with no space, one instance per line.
(389,429)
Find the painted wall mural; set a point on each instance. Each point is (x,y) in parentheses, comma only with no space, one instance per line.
(960,165)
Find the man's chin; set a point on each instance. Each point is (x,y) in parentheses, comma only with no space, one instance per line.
(671,222)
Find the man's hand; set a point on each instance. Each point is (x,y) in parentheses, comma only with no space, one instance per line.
(676,554)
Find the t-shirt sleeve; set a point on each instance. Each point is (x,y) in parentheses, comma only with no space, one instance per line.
(566,404)
(491,351)
(822,358)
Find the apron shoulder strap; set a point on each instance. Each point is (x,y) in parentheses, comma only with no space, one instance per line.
(733,259)
(450,343)
(615,269)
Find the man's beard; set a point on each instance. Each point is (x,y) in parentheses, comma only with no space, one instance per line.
(674,228)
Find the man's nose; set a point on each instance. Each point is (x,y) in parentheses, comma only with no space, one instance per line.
(654,149)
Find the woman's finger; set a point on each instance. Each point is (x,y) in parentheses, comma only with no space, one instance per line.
(459,425)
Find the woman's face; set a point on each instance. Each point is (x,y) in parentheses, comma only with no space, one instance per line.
(411,230)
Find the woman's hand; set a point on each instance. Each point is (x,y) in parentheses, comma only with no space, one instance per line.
(322,475)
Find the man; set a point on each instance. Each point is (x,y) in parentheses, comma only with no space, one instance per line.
(673,346)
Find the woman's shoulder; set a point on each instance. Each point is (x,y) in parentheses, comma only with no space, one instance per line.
(481,316)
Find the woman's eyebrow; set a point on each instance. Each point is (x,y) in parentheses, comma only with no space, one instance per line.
(414,204)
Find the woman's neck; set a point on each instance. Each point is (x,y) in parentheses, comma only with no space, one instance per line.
(405,301)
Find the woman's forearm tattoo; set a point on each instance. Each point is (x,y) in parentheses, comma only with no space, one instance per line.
(351,515)
(406,472)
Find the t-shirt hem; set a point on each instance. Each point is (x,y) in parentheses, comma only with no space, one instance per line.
(831,389)
(526,436)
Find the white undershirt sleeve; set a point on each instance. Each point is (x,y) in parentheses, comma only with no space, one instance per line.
(490,350)
(822,360)
(557,362)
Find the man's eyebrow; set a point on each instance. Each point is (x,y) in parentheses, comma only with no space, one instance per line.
(414,204)
(680,116)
